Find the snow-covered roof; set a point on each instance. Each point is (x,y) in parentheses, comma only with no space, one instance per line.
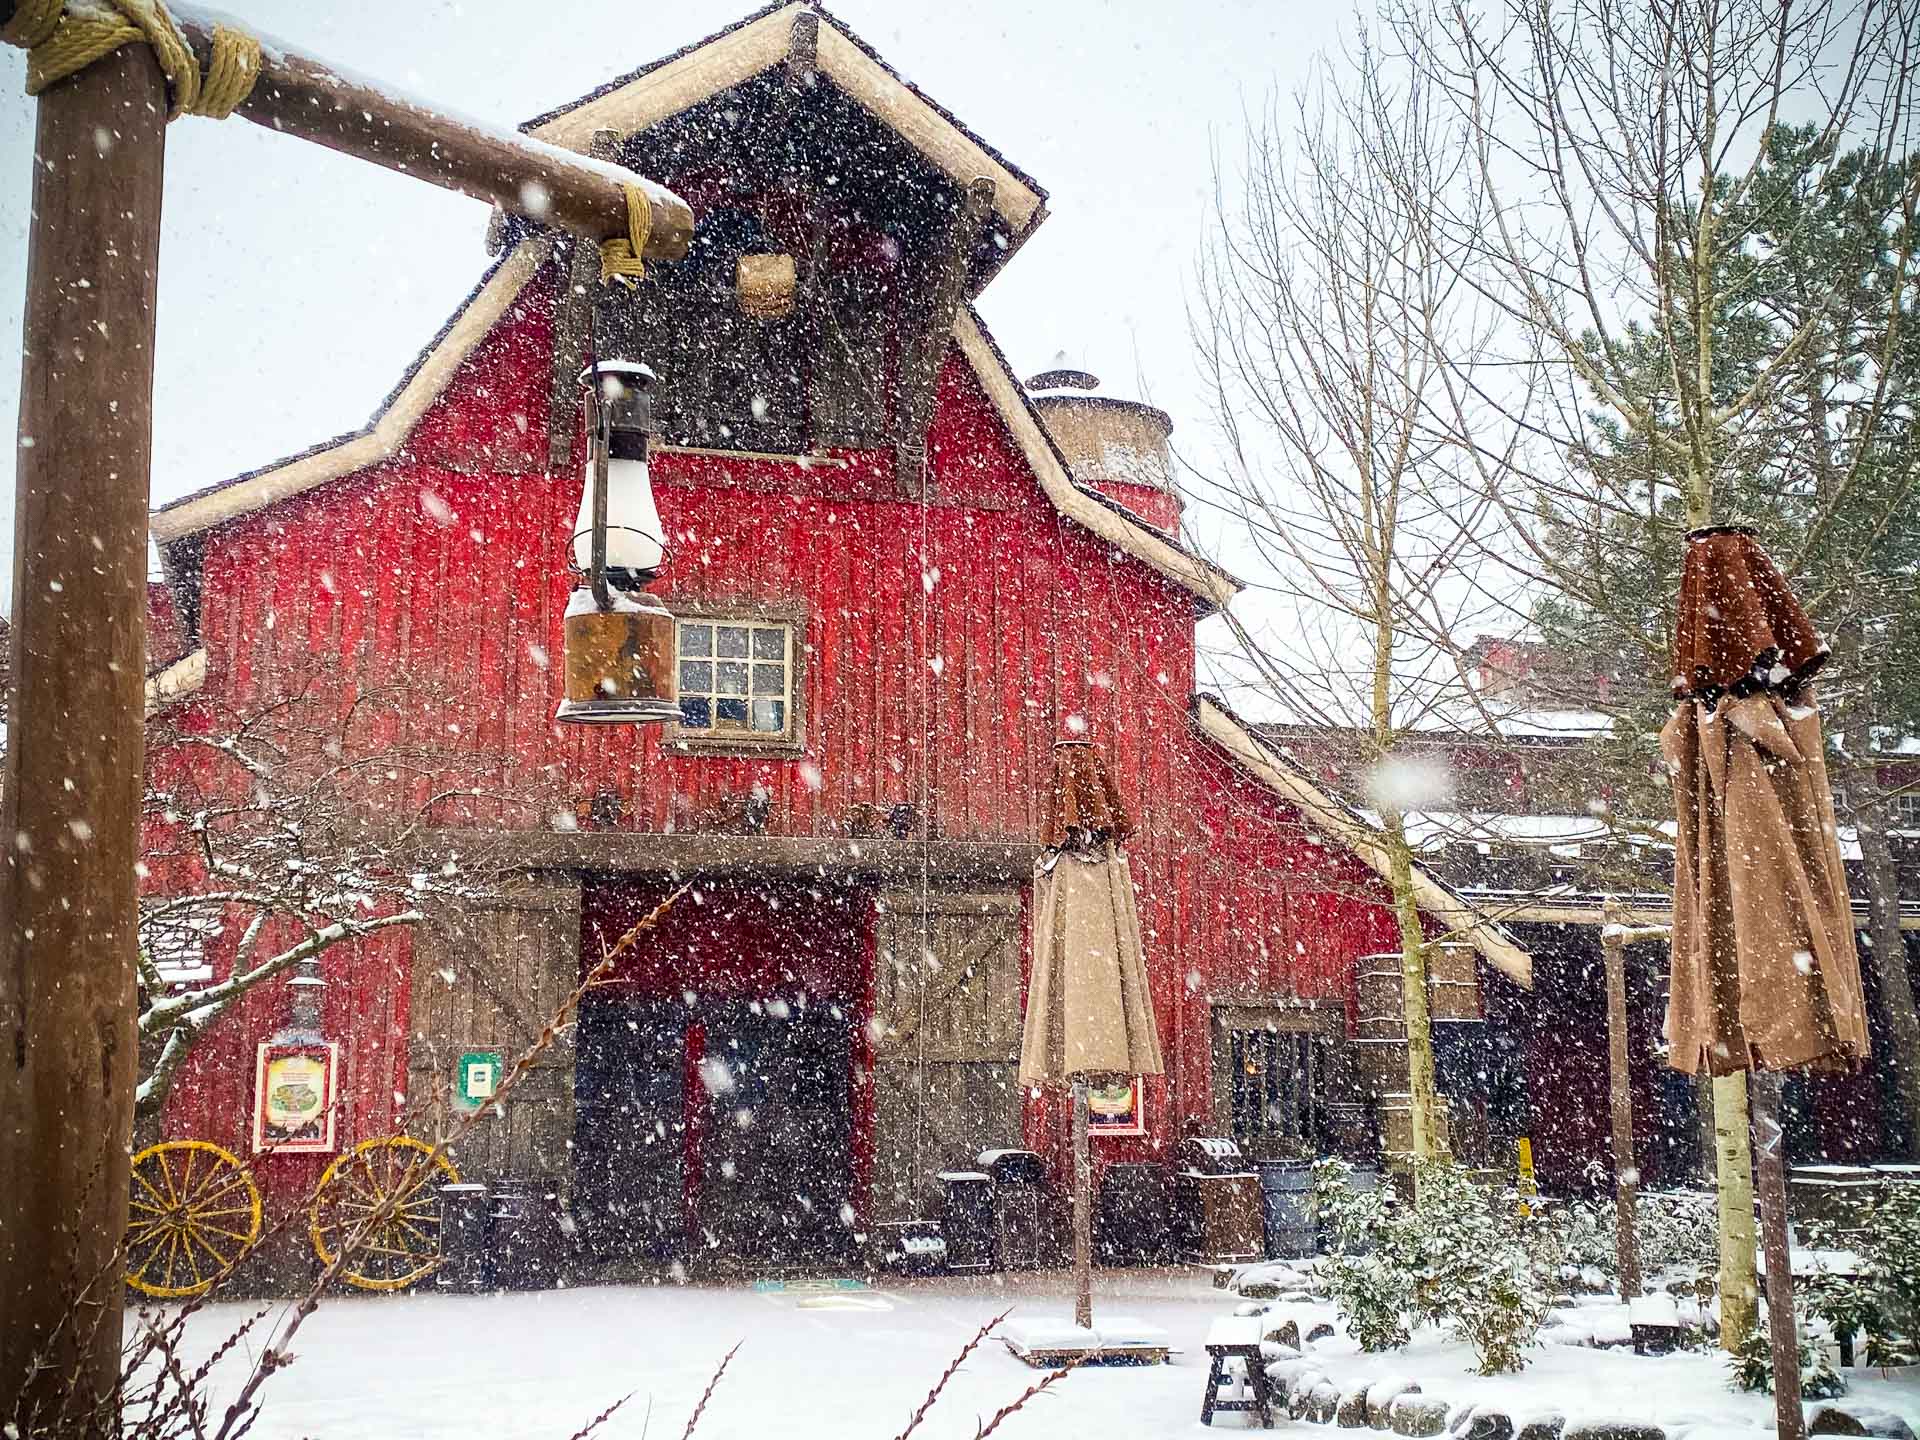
(1351,828)
(765,39)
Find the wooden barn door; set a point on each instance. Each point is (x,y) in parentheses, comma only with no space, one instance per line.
(949,1028)
(486,978)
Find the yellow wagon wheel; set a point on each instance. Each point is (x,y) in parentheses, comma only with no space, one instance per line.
(193,1212)
(396,1173)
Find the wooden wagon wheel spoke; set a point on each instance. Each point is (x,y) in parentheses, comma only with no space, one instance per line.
(203,1206)
(375,1206)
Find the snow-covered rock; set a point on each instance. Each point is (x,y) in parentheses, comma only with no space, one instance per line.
(1382,1393)
(1418,1415)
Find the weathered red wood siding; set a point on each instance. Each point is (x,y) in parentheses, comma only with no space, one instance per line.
(948,646)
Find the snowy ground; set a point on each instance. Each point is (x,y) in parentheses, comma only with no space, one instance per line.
(855,1364)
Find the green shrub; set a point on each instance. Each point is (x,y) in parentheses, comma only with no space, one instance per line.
(1464,1255)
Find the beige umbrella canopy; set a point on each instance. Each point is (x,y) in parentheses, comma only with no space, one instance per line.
(1088,1011)
(1765,974)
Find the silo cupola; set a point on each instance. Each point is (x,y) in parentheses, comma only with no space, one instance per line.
(1117,447)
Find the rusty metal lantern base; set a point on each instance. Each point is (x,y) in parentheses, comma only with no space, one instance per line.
(619,664)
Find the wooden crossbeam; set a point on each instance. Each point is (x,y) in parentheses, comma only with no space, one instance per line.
(307,98)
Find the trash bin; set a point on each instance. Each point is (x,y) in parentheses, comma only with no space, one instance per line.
(1286,1209)
(465,1262)
(528,1240)
(968,1222)
(1133,1219)
(1216,1202)
(1017,1176)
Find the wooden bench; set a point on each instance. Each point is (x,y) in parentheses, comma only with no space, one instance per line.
(1237,1337)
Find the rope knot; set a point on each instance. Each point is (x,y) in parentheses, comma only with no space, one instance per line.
(61,42)
(620,257)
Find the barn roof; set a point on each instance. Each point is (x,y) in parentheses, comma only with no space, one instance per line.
(1270,765)
(386,434)
(766,39)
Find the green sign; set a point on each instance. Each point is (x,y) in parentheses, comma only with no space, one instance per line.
(477,1078)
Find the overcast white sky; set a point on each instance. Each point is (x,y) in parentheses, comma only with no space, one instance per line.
(296,284)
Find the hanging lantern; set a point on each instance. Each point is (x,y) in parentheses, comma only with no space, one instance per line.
(619,642)
(765,285)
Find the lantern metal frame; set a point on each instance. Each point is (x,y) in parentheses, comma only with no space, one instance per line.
(621,622)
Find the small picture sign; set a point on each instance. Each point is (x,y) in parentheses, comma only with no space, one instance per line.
(477,1079)
(294,1099)
(1117,1108)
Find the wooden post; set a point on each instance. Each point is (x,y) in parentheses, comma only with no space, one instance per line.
(1082,1215)
(1626,1173)
(1770,1167)
(71,813)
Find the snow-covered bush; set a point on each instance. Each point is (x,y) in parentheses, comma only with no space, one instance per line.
(1679,1234)
(1751,1368)
(1881,1298)
(1368,1280)
(1464,1255)
(1487,1266)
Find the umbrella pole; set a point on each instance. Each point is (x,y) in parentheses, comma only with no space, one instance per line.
(1082,1225)
(1782,1329)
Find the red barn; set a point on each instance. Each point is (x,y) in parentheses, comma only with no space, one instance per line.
(899,576)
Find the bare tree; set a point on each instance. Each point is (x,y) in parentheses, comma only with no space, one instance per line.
(1326,309)
(1618,148)
(277,836)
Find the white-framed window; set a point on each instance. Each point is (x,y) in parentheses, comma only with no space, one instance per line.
(736,678)
(1904,811)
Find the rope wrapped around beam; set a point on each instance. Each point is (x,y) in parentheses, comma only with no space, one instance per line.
(620,257)
(62,38)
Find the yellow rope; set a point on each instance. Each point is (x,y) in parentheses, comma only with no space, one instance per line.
(60,43)
(620,257)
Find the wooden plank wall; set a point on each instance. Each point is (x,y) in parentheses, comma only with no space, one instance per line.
(940,672)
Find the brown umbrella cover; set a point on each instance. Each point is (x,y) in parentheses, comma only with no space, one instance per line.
(1088,1010)
(1765,975)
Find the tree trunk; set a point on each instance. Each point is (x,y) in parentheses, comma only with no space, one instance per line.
(1733,1156)
(1626,1173)
(1429,1126)
(1889,952)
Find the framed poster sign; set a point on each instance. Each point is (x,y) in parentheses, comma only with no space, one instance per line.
(294,1097)
(1117,1107)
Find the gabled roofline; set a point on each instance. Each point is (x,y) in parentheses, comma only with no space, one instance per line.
(1266,763)
(385,434)
(761,41)
(1111,521)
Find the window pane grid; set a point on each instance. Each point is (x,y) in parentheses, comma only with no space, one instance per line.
(736,678)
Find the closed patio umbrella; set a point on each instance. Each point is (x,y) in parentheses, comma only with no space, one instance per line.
(1089,1016)
(1765,974)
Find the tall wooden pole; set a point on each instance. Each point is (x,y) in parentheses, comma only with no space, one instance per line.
(1770,1167)
(71,812)
(1082,1213)
(1626,1172)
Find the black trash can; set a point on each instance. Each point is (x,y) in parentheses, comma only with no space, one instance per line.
(1133,1219)
(528,1241)
(466,1264)
(968,1222)
(1017,1176)
(1286,1209)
